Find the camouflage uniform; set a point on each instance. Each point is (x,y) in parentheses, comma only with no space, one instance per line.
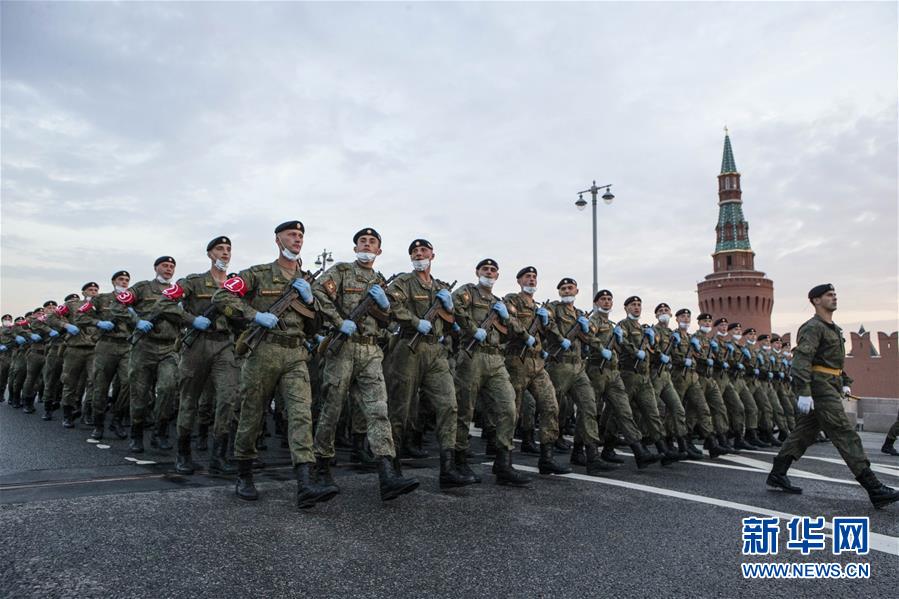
(111,354)
(686,383)
(709,387)
(78,361)
(722,369)
(739,374)
(635,375)
(357,368)
(662,384)
(7,338)
(782,389)
(34,363)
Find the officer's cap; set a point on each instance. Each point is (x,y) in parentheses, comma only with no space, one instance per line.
(660,306)
(6,316)
(290,225)
(526,270)
(764,337)
(602,293)
(367,231)
(733,326)
(632,299)
(566,281)
(217,241)
(749,331)
(50,303)
(487,262)
(721,320)
(162,259)
(775,337)
(704,316)
(89,284)
(819,290)
(72,296)
(120,273)
(418,243)
(683,311)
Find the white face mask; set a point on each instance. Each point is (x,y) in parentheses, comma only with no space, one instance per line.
(766,347)
(163,280)
(365,257)
(119,289)
(750,342)
(567,299)
(486,282)
(221,265)
(664,318)
(419,265)
(529,290)
(705,329)
(776,351)
(736,337)
(632,317)
(602,310)
(289,255)
(683,325)
(7,322)
(720,334)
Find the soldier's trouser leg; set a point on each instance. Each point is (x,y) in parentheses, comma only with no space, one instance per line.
(786,404)
(675,414)
(642,396)
(226,382)
(142,379)
(571,380)
(750,409)
(609,386)
(485,372)
(530,375)
(52,377)
(34,366)
(438,391)
(19,372)
(830,417)
(421,374)
(698,414)
(766,412)
(357,412)
(207,404)
(166,388)
(735,415)
(893,432)
(110,358)
(5,367)
(779,417)
(716,404)
(76,363)
(468,384)
(194,369)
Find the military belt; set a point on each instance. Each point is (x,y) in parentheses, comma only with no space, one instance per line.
(217,335)
(563,359)
(158,341)
(364,340)
(113,339)
(528,353)
(487,349)
(826,370)
(284,341)
(429,338)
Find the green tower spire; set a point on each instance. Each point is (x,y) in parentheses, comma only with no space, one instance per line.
(727,161)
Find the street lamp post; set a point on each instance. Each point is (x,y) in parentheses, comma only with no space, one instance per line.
(581,203)
(323,259)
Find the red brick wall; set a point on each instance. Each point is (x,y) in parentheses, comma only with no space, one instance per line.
(747,300)
(875,376)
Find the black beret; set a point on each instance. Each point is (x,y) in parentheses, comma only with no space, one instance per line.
(290,225)
(749,331)
(417,244)
(89,284)
(231,275)
(120,273)
(733,325)
(819,290)
(217,241)
(50,303)
(632,299)
(72,296)
(6,316)
(683,311)
(602,293)
(162,259)
(775,337)
(763,337)
(21,318)
(38,309)
(566,281)
(487,262)
(660,306)
(721,320)
(704,316)
(525,270)
(366,231)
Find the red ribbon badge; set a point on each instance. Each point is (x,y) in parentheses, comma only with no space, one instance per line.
(85,308)
(174,292)
(62,310)
(236,285)
(126,298)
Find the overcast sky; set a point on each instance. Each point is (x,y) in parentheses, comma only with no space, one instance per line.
(134,130)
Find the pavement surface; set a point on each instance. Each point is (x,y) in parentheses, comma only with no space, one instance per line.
(80,519)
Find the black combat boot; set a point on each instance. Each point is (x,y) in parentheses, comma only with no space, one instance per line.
(777,478)
(218,459)
(888,447)
(561,445)
(596,466)
(203,437)
(117,429)
(28,405)
(489,436)
(547,465)
(643,457)
(577,455)
(752,437)
(183,463)
(67,417)
(686,446)
(162,435)
(681,452)
(97,433)
(880,494)
(715,450)
(48,411)
(309,491)
(462,467)
(725,444)
(739,443)
(87,414)
(323,473)
(392,484)
(668,456)
(506,474)
(768,437)
(449,476)
(608,453)
(137,439)
(245,489)
(410,450)
(529,443)
(782,435)
(361,454)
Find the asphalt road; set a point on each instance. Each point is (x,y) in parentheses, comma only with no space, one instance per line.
(82,521)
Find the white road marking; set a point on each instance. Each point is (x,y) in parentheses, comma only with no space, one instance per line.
(101,446)
(139,462)
(881,468)
(877,541)
(92,441)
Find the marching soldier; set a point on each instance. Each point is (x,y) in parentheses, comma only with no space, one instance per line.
(740,371)
(423,373)
(531,327)
(705,348)
(483,321)
(768,406)
(18,366)
(51,327)
(723,359)
(34,359)
(888,447)
(277,363)
(208,362)
(821,383)
(78,360)
(357,368)
(7,346)
(780,386)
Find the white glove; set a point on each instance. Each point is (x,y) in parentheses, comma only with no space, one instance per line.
(846,390)
(806,404)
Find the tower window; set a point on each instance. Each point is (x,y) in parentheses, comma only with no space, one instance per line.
(730,262)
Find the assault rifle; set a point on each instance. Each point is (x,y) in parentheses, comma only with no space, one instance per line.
(532,329)
(431,315)
(335,340)
(573,332)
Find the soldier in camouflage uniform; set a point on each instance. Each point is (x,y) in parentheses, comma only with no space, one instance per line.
(686,383)
(675,416)
(108,313)
(723,360)
(7,346)
(527,370)
(705,349)
(208,361)
(483,370)
(634,347)
(769,405)
(18,360)
(154,364)
(821,383)
(888,443)
(357,368)
(50,327)
(78,361)
(423,373)
(781,387)
(34,359)
(740,371)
